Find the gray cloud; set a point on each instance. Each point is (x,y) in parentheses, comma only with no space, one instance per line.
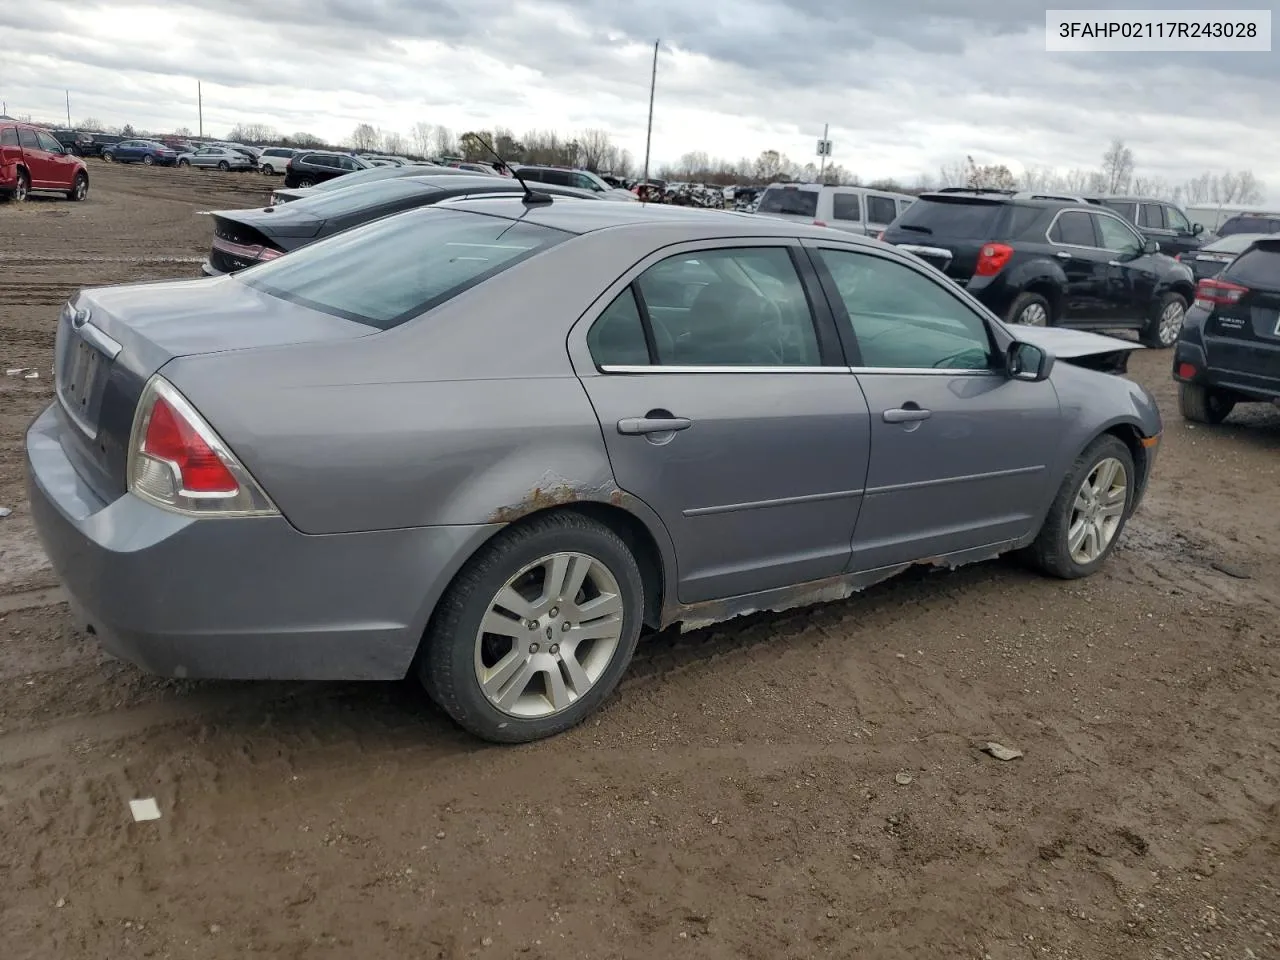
(905,84)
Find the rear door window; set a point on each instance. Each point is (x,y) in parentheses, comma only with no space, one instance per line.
(1074,228)
(845,206)
(8,136)
(880,209)
(399,267)
(1152,215)
(953,219)
(1127,210)
(790,201)
(1175,219)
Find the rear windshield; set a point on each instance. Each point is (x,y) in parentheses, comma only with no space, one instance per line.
(399,267)
(361,176)
(789,200)
(1231,244)
(957,220)
(338,203)
(1249,225)
(1259,267)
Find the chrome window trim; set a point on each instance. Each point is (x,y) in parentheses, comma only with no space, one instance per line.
(1096,212)
(634,369)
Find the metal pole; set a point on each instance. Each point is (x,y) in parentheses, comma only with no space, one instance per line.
(823,166)
(653,83)
(68,109)
(200,106)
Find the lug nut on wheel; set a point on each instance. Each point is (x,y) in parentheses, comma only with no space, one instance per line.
(533,648)
(554,649)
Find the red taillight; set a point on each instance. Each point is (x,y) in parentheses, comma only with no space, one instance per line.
(1215,293)
(177,461)
(170,438)
(1178,257)
(1186,371)
(992,259)
(819,223)
(880,235)
(269,254)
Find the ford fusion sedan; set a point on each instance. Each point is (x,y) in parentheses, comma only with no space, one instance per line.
(490,443)
(147,152)
(243,238)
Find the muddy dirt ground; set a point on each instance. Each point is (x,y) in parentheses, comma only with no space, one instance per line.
(784,786)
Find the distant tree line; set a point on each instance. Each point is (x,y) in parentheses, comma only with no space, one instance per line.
(594,149)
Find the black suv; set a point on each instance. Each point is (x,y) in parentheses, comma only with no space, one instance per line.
(1250,223)
(316,166)
(1041,261)
(1229,349)
(1158,220)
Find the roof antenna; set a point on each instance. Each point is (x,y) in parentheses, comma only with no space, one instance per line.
(530,196)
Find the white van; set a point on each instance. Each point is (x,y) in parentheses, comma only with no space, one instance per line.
(861,210)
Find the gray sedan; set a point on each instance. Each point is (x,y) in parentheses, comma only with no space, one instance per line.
(493,442)
(218,158)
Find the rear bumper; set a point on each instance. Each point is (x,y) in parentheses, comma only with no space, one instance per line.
(1247,386)
(237,598)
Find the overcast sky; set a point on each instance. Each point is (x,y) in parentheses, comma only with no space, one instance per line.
(905,85)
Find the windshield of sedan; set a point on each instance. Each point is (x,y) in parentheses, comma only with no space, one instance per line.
(398,268)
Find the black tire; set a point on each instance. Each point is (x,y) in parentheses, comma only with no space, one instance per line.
(23,189)
(304,182)
(224,166)
(1050,552)
(184,163)
(446,666)
(1157,333)
(1025,302)
(148,160)
(1200,404)
(109,157)
(268,170)
(79,188)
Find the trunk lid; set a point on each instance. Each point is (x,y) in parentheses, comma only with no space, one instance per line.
(1244,337)
(949,231)
(110,341)
(241,236)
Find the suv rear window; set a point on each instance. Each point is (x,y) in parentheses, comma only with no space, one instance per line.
(1257,267)
(1249,225)
(789,200)
(399,267)
(956,219)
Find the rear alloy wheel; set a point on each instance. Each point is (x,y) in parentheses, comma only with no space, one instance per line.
(1089,512)
(109,157)
(536,630)
(1029,309)
(184,163)
(80,188)
(1200,404)
(148,160)
(1166,323)
(23,188)
(224,166)
(267,170)
(306,182)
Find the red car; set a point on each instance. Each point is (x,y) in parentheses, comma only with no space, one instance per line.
(31,159)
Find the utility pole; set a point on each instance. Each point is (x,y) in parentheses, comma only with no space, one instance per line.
(200,107)
(68,109)
(653,83)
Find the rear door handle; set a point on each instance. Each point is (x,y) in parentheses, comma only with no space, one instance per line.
(904,415)
(1063,255)
(635,426)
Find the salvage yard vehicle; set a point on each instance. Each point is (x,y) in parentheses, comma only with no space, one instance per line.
(1228,351)
(289,194)
(862,210)
(309,167)
(1045,261)
(147,152)
(1211,259)
(488,442)
(244,238)
(32,159)
(217,158)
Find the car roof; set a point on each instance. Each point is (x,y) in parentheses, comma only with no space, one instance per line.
(572,216)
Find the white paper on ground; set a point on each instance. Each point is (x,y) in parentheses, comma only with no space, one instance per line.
(144,809)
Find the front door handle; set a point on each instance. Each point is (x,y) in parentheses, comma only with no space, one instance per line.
(636,426)
(1114,263)
(1063,255)
(906,415)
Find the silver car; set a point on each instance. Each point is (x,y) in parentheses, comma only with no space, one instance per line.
(491,442)
(218,158)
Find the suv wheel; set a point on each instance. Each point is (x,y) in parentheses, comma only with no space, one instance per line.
(304,182)
(1030,309)
(1200,404)
(23,187)
(536,630)
(80,189)
(268,170)
(1166,322)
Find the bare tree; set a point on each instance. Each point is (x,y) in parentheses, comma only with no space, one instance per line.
(692,164)
(303,139)
(1037,178)
(1117,167)
(991,176)
(1251,189)
(91,124)
(446,145)
(183,132)
(253,133)
(421,135)
(769,165)
(622,163)
(365,137)
(593,145)
(394,142)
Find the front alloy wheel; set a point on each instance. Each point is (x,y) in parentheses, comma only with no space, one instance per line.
(1089,512)
(148,160)
(536,629)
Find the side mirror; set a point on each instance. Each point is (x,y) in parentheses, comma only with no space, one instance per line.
(1197,229)
(1151,247)
(1026,361)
